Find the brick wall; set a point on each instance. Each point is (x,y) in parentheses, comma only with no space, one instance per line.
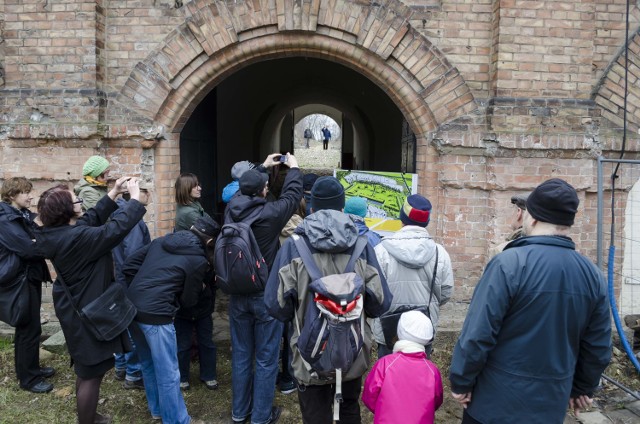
(501,94)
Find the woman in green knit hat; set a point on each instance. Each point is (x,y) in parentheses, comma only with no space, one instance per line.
(93,185)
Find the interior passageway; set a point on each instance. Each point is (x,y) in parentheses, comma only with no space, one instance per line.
(254,111)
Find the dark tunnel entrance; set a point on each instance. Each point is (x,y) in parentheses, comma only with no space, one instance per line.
(254,112)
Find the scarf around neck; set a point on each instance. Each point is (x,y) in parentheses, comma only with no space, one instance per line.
(407,346)
(93,181)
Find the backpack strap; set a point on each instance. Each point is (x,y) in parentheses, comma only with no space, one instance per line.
(307,258)
(358,248)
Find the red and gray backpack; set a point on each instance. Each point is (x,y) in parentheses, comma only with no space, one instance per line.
(332,333)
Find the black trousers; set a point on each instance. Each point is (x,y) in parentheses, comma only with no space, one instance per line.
(27,342)
(316,403)
(325,144)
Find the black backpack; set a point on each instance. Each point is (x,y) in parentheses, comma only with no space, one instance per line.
(332,335)
(240,267)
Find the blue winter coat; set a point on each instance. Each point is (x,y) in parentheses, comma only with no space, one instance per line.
(537,332)
(373,237)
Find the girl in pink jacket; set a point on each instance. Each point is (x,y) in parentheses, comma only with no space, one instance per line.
(405,387)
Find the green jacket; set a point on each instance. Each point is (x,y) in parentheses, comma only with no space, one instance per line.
(187,214)
(89,193)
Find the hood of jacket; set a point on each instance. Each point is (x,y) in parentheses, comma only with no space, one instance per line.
(8,212)
(182,243)
(412,246)
(229,190)
(329,231)
(82,183)
(241,206)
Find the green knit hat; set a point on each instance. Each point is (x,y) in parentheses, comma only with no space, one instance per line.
(94,166)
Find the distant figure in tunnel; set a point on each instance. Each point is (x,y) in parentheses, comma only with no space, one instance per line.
(307,136)
(326,136)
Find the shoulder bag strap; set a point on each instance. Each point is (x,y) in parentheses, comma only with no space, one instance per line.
(433,281)
(68,293)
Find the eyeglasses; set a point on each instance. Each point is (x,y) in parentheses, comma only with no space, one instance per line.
(78,200)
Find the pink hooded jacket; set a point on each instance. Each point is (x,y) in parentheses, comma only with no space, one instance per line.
(403,388)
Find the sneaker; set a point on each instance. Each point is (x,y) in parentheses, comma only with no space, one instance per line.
(287,387)
(138,384)
(211,385)
(120,374)
(184,385)
(156,417)
(275,415)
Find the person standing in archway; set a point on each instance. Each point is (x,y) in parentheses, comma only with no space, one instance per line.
(307,136)
(326,136)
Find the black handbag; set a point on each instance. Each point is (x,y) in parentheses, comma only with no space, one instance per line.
(389,321)
(107,316)
(14,301)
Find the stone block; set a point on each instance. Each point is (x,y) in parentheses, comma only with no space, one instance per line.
(56,344)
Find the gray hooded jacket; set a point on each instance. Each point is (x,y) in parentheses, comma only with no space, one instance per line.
(407,259)
(330,236)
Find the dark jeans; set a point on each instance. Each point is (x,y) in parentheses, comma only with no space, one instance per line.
(27,342)
(325,144)
(255,345)
(207,350)
(316,403)
(468,419)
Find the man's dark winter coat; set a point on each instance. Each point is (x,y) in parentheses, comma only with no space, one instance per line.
(164,275)
(274,215)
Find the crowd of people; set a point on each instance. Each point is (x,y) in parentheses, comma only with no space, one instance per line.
(535,341)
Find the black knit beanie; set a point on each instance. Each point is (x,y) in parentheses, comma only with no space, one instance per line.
(554,201)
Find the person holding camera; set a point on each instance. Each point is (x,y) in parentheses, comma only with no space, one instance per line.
(80,249)
(255,335)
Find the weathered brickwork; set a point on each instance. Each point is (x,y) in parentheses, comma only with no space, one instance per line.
(500,94)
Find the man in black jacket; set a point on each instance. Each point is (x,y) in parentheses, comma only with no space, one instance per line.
(162,276)
(255,335)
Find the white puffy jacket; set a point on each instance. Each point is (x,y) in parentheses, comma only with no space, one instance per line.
(407,259)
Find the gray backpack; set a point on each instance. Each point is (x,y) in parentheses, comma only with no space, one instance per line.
(332,334)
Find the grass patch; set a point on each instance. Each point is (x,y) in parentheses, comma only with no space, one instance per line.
(211,406)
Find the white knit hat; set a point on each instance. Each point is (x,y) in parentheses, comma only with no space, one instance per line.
(416,327)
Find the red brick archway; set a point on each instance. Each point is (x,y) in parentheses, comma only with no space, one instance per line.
(217,39)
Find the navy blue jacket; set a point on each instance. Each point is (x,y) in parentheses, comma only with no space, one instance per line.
(164,275)
(538,331)
(18,249)
(137,238)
